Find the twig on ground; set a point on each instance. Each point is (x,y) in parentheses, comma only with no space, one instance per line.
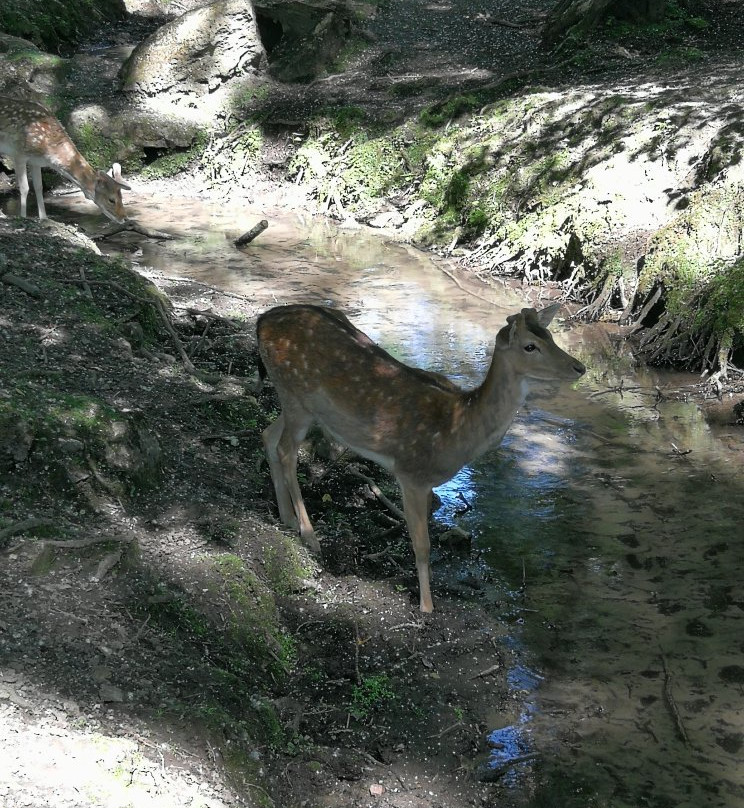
(498,771)
(451,728)
(486,672)
(330,467)
(671,704)
(467,506)
(197,345)
(391,506)
(210,315)
(29,288)
(357,645)
(23,527)
(386,553)
(461,287)
(187,363)
(107,563)
(134,227)
(79,544)
(86,287)
(111,285)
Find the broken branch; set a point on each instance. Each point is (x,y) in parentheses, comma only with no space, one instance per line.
(249,235)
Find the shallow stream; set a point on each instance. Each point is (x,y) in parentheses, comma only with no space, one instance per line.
(607,528)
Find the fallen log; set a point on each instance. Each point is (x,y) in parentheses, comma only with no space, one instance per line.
(249,235)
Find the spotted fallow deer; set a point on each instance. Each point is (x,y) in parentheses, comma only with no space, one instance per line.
(416,424)
(35,139)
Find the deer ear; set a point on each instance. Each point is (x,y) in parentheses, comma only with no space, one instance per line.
(515,321)
(115,173)
(545,316)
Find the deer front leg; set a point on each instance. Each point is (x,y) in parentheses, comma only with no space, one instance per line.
(271,436)
(282,440)
(21,181)
(38,189)
(416,502)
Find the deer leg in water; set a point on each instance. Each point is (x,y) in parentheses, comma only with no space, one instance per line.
(282,441)
(416,505)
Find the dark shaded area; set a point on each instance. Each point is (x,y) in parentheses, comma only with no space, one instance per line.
(56,26)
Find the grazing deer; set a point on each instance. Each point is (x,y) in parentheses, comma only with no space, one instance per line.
(32,136)
(416,424)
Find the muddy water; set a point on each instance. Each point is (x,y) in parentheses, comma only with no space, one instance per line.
(607,528)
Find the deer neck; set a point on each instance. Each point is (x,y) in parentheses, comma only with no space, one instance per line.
(494,404)
(74,167)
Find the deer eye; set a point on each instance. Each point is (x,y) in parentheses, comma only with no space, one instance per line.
(530,347)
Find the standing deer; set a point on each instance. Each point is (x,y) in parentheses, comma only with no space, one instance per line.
(33,137)
(416,424)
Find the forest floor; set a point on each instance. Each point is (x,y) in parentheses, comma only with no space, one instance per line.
(161,642)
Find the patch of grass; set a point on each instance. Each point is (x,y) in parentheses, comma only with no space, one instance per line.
(678,22)
(476,223)
(83,413)
(239,413)
(348,120)
(680,56)
(352,47)
(221,667)
(440,113)
(373,693)
(250,97)
(179,618)
(372,166)
(286,565)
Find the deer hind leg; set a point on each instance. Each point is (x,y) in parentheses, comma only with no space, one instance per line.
(282,442)
(416,505)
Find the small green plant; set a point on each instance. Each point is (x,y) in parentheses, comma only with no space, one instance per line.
(348,120)
(370,695)
(441,113)
(676,24)
(723,298)
(680,55)
(171,163)
(251,96)
(476,223)
(286,565)
(456,191)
